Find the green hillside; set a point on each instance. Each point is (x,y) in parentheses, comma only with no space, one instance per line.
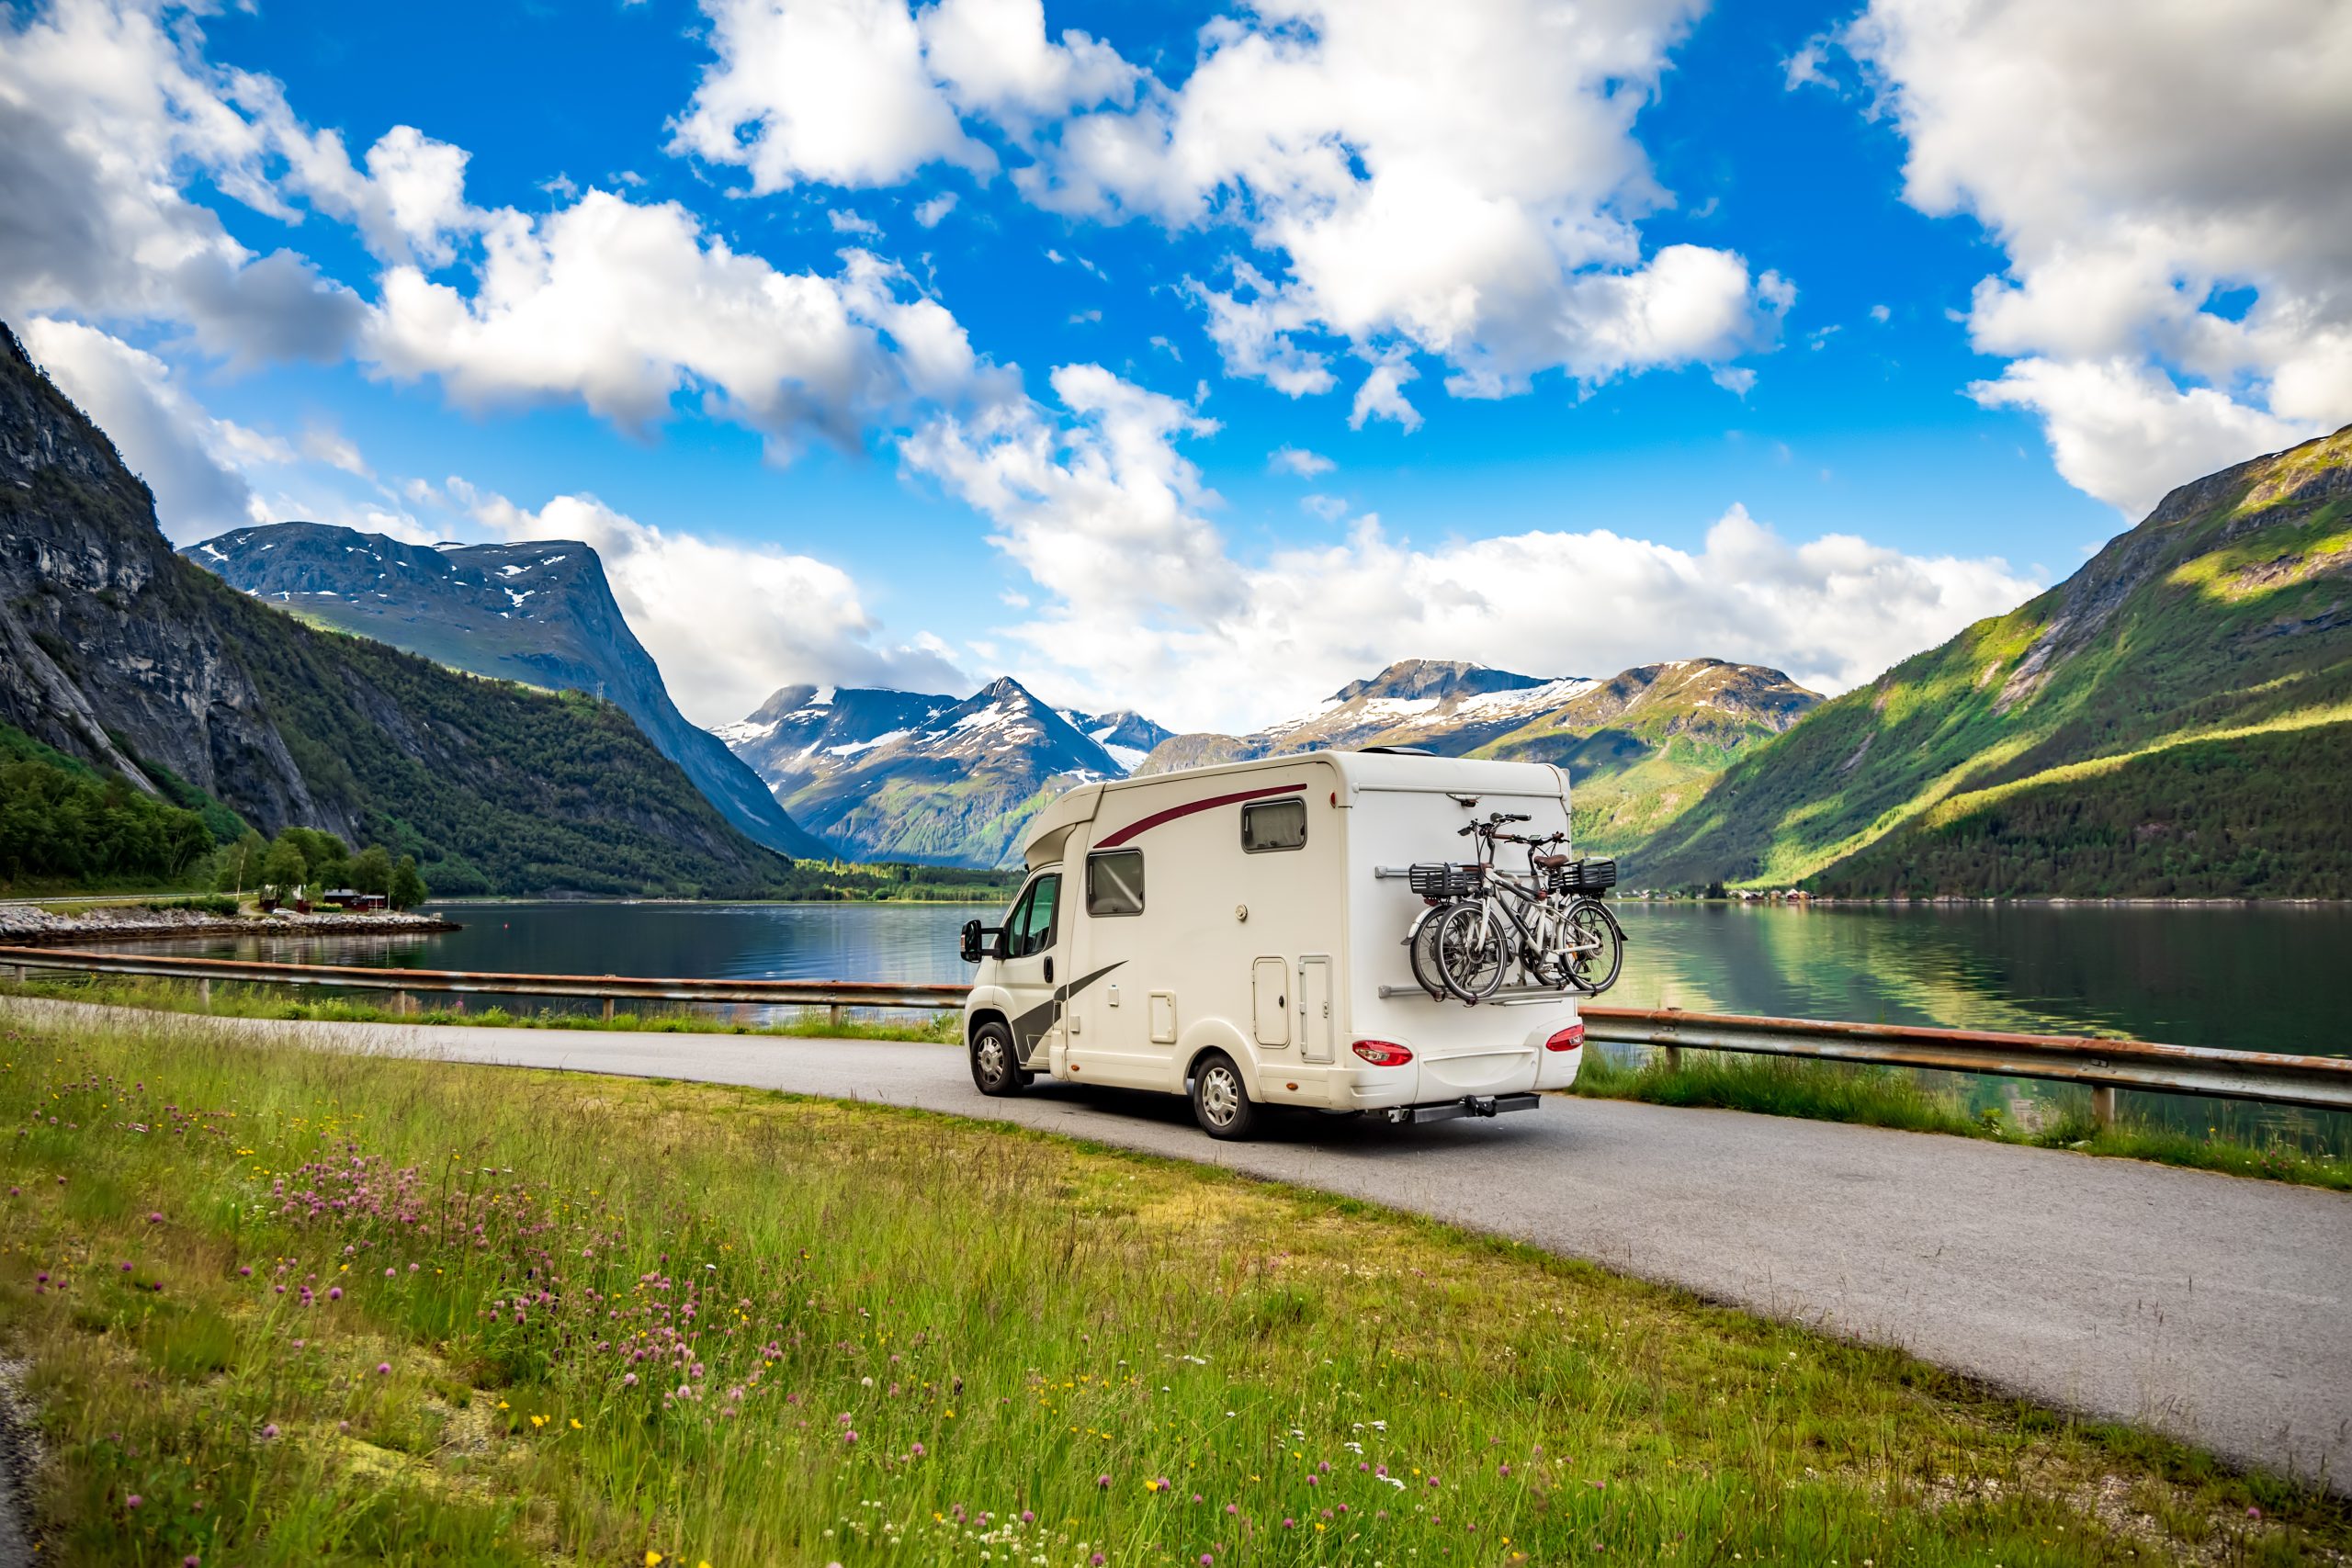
(1643,747)
(2222,624)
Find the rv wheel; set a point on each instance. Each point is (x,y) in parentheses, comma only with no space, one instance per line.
(1220,1101)
(995,1068)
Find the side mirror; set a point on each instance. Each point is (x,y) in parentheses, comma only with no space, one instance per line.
(971,941)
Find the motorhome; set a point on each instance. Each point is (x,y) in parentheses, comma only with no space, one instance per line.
(1237,934)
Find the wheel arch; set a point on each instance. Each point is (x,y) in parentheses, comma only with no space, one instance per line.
(1217,1034)
(982,1016)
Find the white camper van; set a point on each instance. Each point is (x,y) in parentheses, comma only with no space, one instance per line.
(1236,933)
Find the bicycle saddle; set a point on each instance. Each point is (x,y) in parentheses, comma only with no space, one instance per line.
(1551,862)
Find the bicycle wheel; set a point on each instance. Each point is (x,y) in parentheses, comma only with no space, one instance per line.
(1421,945)
(1470,952)
(1599,951)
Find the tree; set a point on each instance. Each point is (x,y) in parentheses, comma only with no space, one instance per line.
(371,870)
(407,887)
(285,867)
(241,864)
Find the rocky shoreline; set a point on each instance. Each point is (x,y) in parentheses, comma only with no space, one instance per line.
(22,925)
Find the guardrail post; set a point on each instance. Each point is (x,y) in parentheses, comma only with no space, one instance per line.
(401,1004)
(2103,1106)
(1672,1057)
(835,1016)
(204,992)
(608,1009)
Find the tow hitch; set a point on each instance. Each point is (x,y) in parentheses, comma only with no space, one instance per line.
(1468,1105)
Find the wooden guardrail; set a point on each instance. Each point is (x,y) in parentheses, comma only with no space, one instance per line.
(2319,1083)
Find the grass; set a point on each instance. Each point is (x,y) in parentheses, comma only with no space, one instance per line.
(283,1306)
(1896,1097)
(237,999)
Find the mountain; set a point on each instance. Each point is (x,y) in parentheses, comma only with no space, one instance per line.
(539,613)
(116,651)
(906,776)
(1126,735)
(1640,747)
(1444,706)
(2176,718)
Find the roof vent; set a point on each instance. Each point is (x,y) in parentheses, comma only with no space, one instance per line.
(1394,752)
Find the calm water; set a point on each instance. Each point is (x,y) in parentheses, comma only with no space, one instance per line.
(2255,979)
(2274,979)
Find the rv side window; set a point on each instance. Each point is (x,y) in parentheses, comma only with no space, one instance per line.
(1273,825)
(1114,882)
(1031,929)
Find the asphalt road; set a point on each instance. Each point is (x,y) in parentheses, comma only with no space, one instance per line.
(2212,1308)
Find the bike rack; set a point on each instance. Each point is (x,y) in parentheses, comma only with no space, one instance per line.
(1508,997)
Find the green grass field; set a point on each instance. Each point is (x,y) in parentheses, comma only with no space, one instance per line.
(282,1306)
(1824,1092)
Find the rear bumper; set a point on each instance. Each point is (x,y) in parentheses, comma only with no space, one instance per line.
(1468,1105)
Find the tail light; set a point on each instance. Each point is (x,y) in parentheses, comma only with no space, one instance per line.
(1382,1054)
(1568,1038)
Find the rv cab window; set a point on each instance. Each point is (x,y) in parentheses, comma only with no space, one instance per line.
(1031,929)
(1114,882)
(1273,825)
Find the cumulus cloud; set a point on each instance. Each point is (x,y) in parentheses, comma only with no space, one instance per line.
(1299,461)
(1463,181)
(1144,603)
(622,305)
(863,92)
(103,112)
(2122,431)
(2137,177)
(193,463)
(727,622)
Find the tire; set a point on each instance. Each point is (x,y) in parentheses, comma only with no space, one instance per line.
(1470,963)
(1421,946)
(996,1067)
(1221,1101)
(1596,970)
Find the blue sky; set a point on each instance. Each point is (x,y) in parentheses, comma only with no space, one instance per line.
(1764,341)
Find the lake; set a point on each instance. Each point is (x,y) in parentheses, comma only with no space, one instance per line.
(2260,978)
(2245,978)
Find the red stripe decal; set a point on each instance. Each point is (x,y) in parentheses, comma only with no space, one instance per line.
(1173,812)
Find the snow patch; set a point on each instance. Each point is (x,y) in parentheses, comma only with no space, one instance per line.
(208,550)
(742,732)
(852,748)
(1129,757)
(823,699)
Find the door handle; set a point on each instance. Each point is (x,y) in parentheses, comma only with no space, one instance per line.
(1049,971)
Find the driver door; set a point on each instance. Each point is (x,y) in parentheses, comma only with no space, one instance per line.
(1028,971)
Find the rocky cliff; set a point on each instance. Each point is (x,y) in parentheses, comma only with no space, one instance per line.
(118,652)
(540,613)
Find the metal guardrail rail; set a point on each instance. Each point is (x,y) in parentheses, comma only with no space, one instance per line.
(2319,1083)
(405,984)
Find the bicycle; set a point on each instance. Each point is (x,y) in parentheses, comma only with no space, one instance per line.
(1546,922)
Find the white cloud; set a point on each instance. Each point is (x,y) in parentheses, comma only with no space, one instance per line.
(929,213)
(848,222)
(1099,508)
(727,622)
(1463,181)
(192,462)
(2195,151)
(623,305)
(1381,397)
(864,92)
(2121,430)
(1146,606)
(324,445)
(102,113)
(1299,461)
(828,90)
(994,59)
